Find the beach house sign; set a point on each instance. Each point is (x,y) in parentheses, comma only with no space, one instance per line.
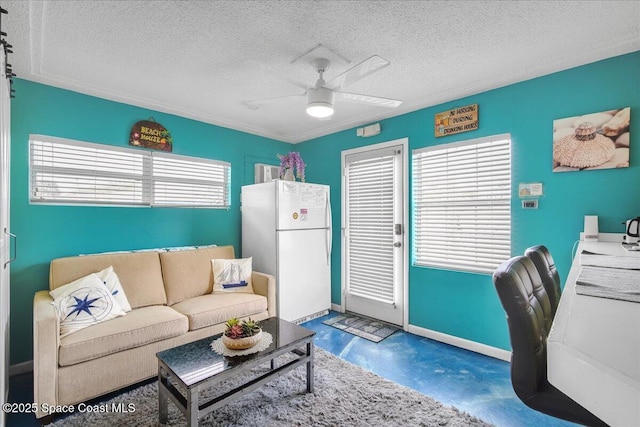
(150,134)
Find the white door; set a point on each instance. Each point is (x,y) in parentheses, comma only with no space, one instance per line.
(302,205)
(373,221)
(303,281)
(5,236)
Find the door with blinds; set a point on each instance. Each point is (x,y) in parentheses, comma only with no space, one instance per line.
(373,231)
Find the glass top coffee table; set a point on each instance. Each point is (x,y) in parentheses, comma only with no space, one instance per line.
(195,367)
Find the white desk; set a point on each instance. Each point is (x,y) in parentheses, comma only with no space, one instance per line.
(593,348)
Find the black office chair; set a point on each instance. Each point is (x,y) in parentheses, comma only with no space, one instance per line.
(546,266)
(529,317)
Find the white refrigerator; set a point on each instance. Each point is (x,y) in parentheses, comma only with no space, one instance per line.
(286,228)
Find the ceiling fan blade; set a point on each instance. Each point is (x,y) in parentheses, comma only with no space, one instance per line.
(275,72)
(357,72)
(371,100)
(255,104)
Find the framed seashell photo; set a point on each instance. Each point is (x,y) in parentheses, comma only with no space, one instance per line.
(592,141)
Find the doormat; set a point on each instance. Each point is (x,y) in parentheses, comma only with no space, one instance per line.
(370,329)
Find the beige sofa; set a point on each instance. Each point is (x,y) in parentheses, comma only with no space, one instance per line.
(172,304)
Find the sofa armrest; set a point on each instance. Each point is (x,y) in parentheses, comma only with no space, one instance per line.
(265,285)
(46,339)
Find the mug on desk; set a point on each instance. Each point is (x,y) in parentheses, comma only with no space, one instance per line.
(632,231)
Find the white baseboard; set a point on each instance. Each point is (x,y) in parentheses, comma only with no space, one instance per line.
(477,347)
(311,317)
(21,368)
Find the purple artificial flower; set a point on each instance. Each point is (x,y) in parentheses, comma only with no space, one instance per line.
(293,160)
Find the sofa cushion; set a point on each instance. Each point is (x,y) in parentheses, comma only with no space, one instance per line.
(232,275)
(111,281)
(139,273)
(188,274)
(212,309)
(83,303)
(139,327)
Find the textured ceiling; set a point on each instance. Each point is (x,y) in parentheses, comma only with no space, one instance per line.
(204,59)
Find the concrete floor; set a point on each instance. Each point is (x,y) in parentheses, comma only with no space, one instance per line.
(471,382)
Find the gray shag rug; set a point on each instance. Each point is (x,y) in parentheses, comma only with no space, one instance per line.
(344,395)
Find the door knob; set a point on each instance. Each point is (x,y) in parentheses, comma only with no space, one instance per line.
(397,244)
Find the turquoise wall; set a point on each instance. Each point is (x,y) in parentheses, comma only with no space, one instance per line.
(466,305)
(455,303)
(47,232)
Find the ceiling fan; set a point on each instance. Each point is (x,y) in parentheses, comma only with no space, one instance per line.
(321,96)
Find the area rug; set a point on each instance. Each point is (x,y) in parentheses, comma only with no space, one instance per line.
(369,329)
(344,395)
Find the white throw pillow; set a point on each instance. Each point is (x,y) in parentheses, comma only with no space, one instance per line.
(232,275)
(84,302)
(110,279)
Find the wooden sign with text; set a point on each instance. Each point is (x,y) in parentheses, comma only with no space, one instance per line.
(151,134)
(456,120)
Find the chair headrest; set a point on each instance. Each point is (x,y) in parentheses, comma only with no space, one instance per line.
(546,266)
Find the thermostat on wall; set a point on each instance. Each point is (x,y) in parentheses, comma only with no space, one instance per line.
(530,204)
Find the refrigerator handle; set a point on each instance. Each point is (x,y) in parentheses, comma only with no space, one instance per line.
(328,231)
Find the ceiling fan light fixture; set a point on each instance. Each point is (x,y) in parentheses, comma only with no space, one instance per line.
(319,110)
(320,103)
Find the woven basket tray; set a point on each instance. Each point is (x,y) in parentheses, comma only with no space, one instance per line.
(241,343)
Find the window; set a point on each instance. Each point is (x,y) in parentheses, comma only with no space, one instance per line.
(462,204)
(70,172)
(189,181)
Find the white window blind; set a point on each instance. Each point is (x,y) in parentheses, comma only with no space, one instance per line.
(187,181)
(462,204)
(63,171)
(370,227)
(75,172)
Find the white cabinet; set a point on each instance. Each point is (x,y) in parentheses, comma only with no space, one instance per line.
(593,349)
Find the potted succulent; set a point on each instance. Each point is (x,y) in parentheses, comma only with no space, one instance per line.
(241,335)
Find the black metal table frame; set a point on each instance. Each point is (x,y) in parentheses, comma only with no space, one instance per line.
(194,411)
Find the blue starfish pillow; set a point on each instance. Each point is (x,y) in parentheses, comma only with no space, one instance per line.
(111,280)
(84,302)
